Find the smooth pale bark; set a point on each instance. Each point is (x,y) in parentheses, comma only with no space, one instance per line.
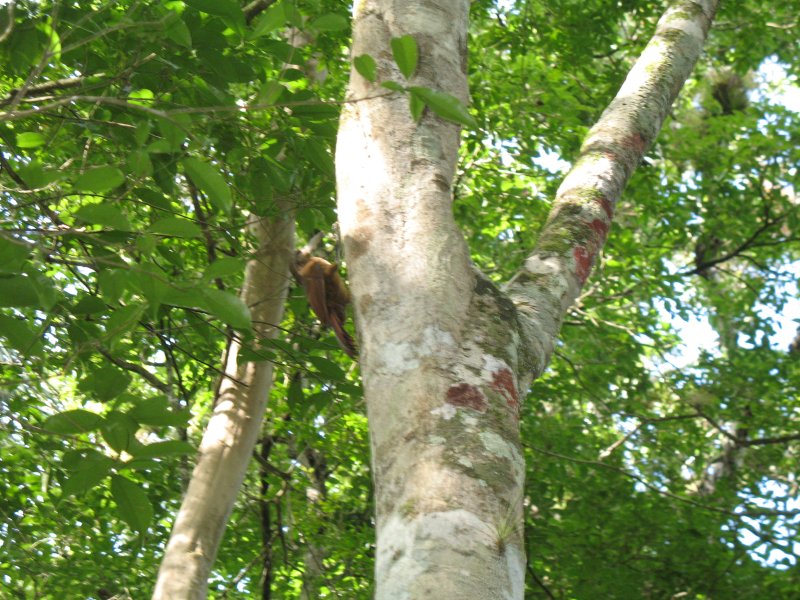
(444,354)
(232,431)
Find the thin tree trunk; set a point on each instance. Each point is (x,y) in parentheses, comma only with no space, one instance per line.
(445,355)
(232,431)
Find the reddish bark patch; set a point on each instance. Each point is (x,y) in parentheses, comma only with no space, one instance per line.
(583,263)
(600,227)
(467,396)
(606,206)
(503,382)
(636,142)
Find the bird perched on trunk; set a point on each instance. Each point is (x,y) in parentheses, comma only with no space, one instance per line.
(327,294)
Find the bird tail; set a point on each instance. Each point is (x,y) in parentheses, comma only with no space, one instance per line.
(346,341)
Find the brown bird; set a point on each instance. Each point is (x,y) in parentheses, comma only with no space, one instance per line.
(328,296)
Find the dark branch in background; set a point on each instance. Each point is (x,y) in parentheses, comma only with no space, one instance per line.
(41,88)
(50,213)
(6,166)
(776,440)
(539,582)
(702,265)
(665,493)
(25,92)
(172,361)
(255,8)
(211,244)
(134,368)
(644,420)
(718,427)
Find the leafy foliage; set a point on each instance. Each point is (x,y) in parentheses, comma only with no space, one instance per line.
(135,139)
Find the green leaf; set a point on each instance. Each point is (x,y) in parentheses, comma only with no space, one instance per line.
(404,50)
(327,367)
(209,180)
(156,411)
(178,32)
(20,337)
(174,130)
(161,449)
(160,147)
(19,291)
(88,305)
(316,151)
(416,105)
(36,177)
(394,86)
(269,93)
(230,12)
(119,431)
(330,22)
(13,253)
(87,469)
(99,180)
(219,8)
(139,163)
(133,505)
(446,106)
(176,227)
(256,354)
(147,244)
(295,392)
(227,307)
(318,111)
(73,421)
(123,319)
(366,67)
(105,382)
(113,283)
(223,267)
(30,139)
(151,282)
(141,97)
(104,214)
(269,21)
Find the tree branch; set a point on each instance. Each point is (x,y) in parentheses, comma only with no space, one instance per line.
(255,8)
(134,368)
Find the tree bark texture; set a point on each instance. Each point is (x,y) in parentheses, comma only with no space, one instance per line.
(233,429)
(444,354)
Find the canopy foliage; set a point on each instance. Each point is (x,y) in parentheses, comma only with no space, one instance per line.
(137,136)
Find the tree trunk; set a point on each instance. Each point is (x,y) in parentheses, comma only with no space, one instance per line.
(444,354)
(233,429)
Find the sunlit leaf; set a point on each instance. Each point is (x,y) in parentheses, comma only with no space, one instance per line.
(366,67)
(176,227)
(73,421)
(446,106)
(330,22)
(99,180)
(30,139)
(227,307)
(162,449)
(133,505)
(209,180)
(404,50)
(270,20)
